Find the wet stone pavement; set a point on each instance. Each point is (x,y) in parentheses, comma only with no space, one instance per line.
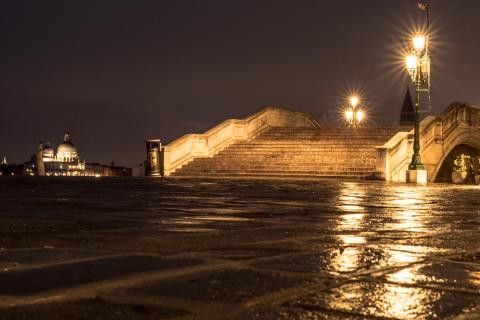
(190,249)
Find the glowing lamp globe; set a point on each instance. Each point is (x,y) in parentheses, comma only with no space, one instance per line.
(359,115)
(349,115)
(419,42)
(354,101)
(411,62)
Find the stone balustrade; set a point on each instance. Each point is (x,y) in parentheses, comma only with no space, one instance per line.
(460,124)
(190,146)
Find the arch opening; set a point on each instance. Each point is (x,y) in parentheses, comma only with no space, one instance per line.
(444,175)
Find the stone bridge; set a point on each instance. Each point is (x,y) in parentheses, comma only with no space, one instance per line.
(442,138)
(281,143)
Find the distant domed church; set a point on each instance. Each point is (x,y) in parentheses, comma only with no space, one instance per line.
(62,162)
(65,161)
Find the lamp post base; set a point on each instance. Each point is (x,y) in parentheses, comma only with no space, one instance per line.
(416,163)
(417,176)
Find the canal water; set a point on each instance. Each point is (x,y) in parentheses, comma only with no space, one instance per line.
(266,249)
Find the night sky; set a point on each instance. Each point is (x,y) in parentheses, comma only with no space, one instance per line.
(113,73)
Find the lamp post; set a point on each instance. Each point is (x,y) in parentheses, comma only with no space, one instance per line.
(353,114)
(418,66)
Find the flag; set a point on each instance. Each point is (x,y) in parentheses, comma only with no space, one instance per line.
(422,5)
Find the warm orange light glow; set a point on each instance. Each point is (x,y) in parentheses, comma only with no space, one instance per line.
(411,62)
(349,115)
(360,115)
(354,101)
(419,42)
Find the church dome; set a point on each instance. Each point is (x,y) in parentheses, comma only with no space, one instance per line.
(67,147)
(66,150)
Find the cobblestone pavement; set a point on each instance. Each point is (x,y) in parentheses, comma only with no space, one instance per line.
(177,249)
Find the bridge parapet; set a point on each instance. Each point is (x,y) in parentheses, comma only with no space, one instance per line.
(190,146)
(459,124)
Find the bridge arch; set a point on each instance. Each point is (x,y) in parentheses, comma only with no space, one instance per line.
(445,168)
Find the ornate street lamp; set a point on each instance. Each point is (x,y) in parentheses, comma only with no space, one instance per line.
(418,67)
(353,114)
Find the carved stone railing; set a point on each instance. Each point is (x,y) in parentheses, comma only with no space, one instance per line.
(190,146)
(394,156)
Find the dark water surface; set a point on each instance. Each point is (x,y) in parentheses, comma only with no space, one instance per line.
(141,248)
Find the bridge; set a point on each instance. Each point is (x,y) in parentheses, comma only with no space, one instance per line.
(279,143)
(442,139)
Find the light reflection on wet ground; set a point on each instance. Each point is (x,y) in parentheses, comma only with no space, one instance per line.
(246,249)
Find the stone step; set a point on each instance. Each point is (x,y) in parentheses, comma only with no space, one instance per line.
(319,135)
(279,174)
(301,146)
(290,136)
(285,168)
(292,151)
(361,131)
(296,151)
(283,160)
(263,172)
(316,144)
(334,130)
(296,147)
(287,136)
(300,168)
(298,155)
(332,171)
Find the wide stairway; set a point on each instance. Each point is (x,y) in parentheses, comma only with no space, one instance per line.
(296,153)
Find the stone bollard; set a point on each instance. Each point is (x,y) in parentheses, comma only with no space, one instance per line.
(153,166)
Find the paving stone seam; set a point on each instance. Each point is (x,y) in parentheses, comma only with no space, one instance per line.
(93,289)
(199,310)
(29,267)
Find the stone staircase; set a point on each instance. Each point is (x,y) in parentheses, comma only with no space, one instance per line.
(296,153)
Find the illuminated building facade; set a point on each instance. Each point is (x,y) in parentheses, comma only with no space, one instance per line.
(64,161)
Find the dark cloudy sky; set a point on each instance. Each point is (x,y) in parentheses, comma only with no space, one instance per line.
(113,73)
